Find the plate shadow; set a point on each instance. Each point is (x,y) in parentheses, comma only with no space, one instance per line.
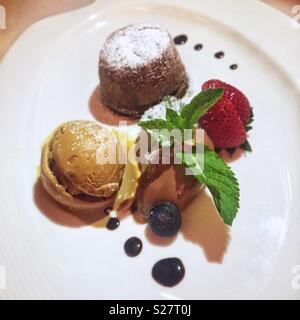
(202,225)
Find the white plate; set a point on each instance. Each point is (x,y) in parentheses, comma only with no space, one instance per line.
(47,78)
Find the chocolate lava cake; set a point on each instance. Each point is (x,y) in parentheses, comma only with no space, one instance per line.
(139,65)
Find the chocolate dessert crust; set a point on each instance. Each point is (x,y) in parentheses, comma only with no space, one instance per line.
(131,89)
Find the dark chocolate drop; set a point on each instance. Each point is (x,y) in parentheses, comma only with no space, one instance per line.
(181,39)
(113,223)
(133,246)
(233,66)
(219,55)
(168,272)
(198,47)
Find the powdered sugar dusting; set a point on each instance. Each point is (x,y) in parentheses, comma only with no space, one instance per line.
(159,110)
(135,45)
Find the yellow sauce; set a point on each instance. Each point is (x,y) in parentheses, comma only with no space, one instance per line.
(130,177)
(101,223)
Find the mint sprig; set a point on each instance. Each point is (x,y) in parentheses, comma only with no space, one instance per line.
(215,173)
(219,179)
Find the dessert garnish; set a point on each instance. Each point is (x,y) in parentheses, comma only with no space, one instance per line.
(163,181)
(165,219)
(216,174)
(168,272)
(133,246)
(229,120)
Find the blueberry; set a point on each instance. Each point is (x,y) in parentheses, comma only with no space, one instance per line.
(165,219)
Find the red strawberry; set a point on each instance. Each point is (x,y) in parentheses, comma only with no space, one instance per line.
(224,125)
(234,95)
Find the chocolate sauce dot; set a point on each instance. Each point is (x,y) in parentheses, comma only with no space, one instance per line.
(113,223)
(233,66)
(133,246)
(181,39)
(108,210)
(168,272)
(198,47)
(219,55)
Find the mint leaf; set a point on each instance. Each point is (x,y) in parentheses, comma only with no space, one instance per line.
(159,129)
(200,104)
(174,120)
(219,179)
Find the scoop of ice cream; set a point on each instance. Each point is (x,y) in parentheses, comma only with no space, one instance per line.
(80,162)
(164,182)
(87,155)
